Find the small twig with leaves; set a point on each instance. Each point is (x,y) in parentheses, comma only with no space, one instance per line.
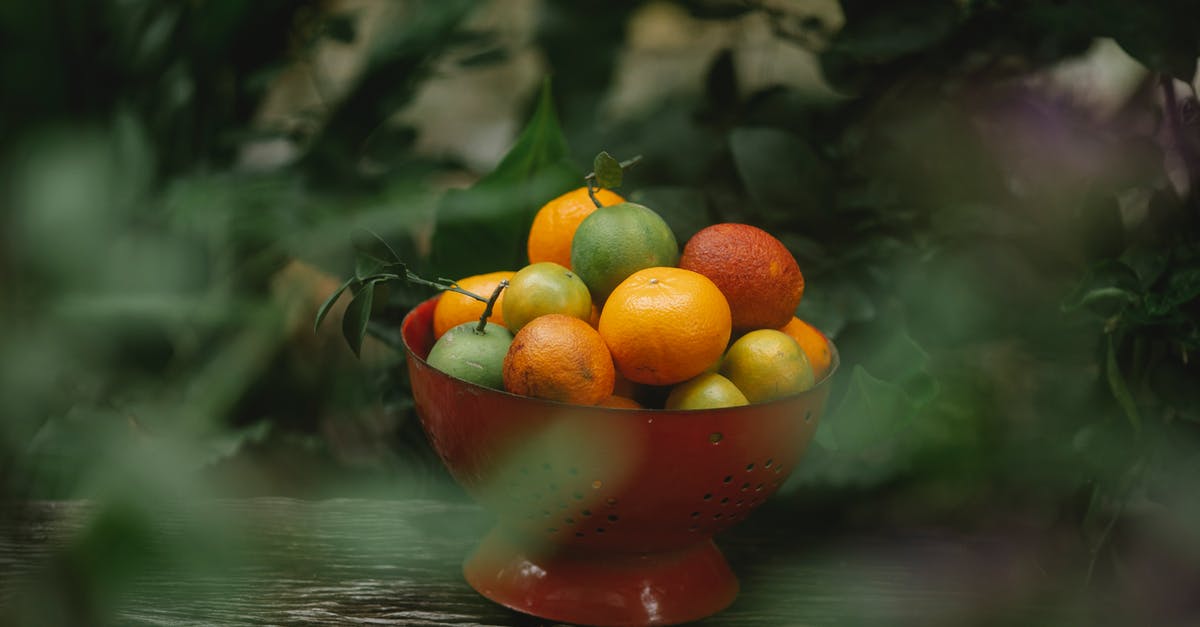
(375,264)
(607,173)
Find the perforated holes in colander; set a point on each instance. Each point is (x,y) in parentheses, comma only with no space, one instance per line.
(734,498)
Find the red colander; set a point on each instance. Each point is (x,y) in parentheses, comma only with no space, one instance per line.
(605,516)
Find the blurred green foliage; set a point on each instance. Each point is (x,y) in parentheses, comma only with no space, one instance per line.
(1012,281)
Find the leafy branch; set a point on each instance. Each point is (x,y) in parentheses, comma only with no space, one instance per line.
(377,263)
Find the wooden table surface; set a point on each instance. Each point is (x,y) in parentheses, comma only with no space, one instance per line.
(378,562)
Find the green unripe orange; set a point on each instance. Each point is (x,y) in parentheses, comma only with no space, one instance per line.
(467,354)
(614,242)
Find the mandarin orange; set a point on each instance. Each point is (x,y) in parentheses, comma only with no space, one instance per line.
(560,358)
(665,325)
(813,342)
(554,225)
(453,309)
(620,402)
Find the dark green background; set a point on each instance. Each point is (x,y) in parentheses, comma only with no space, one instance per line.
(1013,281)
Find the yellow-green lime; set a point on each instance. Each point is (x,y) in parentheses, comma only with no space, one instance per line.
(767,364)
(706,391)
(467,354)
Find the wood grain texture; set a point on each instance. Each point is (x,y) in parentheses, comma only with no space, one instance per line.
(347,562)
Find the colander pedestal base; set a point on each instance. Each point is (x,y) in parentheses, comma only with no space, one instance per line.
(603,588)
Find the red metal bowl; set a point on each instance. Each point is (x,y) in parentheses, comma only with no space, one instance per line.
(605,516)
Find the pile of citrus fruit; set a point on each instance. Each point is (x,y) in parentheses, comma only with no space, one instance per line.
(611,312)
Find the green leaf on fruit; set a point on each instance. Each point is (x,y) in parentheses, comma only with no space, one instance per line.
(609,173)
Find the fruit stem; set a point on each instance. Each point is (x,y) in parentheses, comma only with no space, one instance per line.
(591,187)
(590,179)
(441,284)
(491,303)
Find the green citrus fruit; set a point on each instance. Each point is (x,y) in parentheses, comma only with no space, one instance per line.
(471,356)
(706,391)
(614,242)
(545,288)
(767,364)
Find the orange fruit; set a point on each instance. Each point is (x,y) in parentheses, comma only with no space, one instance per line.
(614,242)
(758,275)
(621,385)
(620,402)
(544,288)
(560,358)
(706,391)
(453,309)
(555,223)
(665,325)
(767,364)
(814,344)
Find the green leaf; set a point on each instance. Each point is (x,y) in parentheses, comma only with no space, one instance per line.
(721,87)
(227,443)
(1116,383)
(1182,285)
(490,56)
(685,209)
(328,304)
(373,255)
(781,172)
(882,29)
(1174,382)
(484,228)
(608,171)
(1106,288)
(358,314)
(1161,35)
(133,156)
(841,302)
(873,413)
(877,32)
(342,27)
